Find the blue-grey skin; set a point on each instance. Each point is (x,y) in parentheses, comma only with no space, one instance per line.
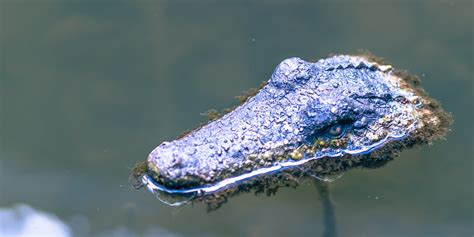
(339,106)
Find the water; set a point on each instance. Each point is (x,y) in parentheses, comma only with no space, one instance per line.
(88,88)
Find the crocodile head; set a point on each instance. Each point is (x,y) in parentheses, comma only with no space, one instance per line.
(319,118)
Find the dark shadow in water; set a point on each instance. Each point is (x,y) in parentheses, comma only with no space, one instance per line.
(328,209)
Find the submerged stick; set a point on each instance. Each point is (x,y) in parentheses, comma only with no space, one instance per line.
(309,118)
(329,218)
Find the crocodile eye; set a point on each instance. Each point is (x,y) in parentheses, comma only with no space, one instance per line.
(336,130)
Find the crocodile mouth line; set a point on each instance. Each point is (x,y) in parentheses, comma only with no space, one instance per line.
(309,120)
(199,191)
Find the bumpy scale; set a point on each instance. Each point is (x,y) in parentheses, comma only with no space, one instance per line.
(310,118)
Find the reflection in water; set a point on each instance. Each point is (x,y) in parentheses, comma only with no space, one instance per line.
(86,87)
(174,199)
(325,177)
(25,221)
(329,217)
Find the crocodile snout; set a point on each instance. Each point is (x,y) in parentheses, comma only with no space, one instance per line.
(166,162)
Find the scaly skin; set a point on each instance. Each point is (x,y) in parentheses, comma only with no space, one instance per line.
(351,108)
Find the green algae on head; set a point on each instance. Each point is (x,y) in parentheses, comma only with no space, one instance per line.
(310,119)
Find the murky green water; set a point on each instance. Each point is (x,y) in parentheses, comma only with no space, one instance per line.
(88,88)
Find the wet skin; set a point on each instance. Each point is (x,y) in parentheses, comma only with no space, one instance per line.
(349,110)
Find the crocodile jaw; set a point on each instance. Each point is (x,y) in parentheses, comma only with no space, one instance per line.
(282,127)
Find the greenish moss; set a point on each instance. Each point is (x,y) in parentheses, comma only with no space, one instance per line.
(269,184)
(250,93)
(212,114)
(138,170)
(371,57)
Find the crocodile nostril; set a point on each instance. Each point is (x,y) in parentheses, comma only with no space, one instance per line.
(166,163)
(177,161)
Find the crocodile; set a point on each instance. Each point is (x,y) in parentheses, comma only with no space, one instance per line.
(309,119)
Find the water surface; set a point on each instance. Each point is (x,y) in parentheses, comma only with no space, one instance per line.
(88,88)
